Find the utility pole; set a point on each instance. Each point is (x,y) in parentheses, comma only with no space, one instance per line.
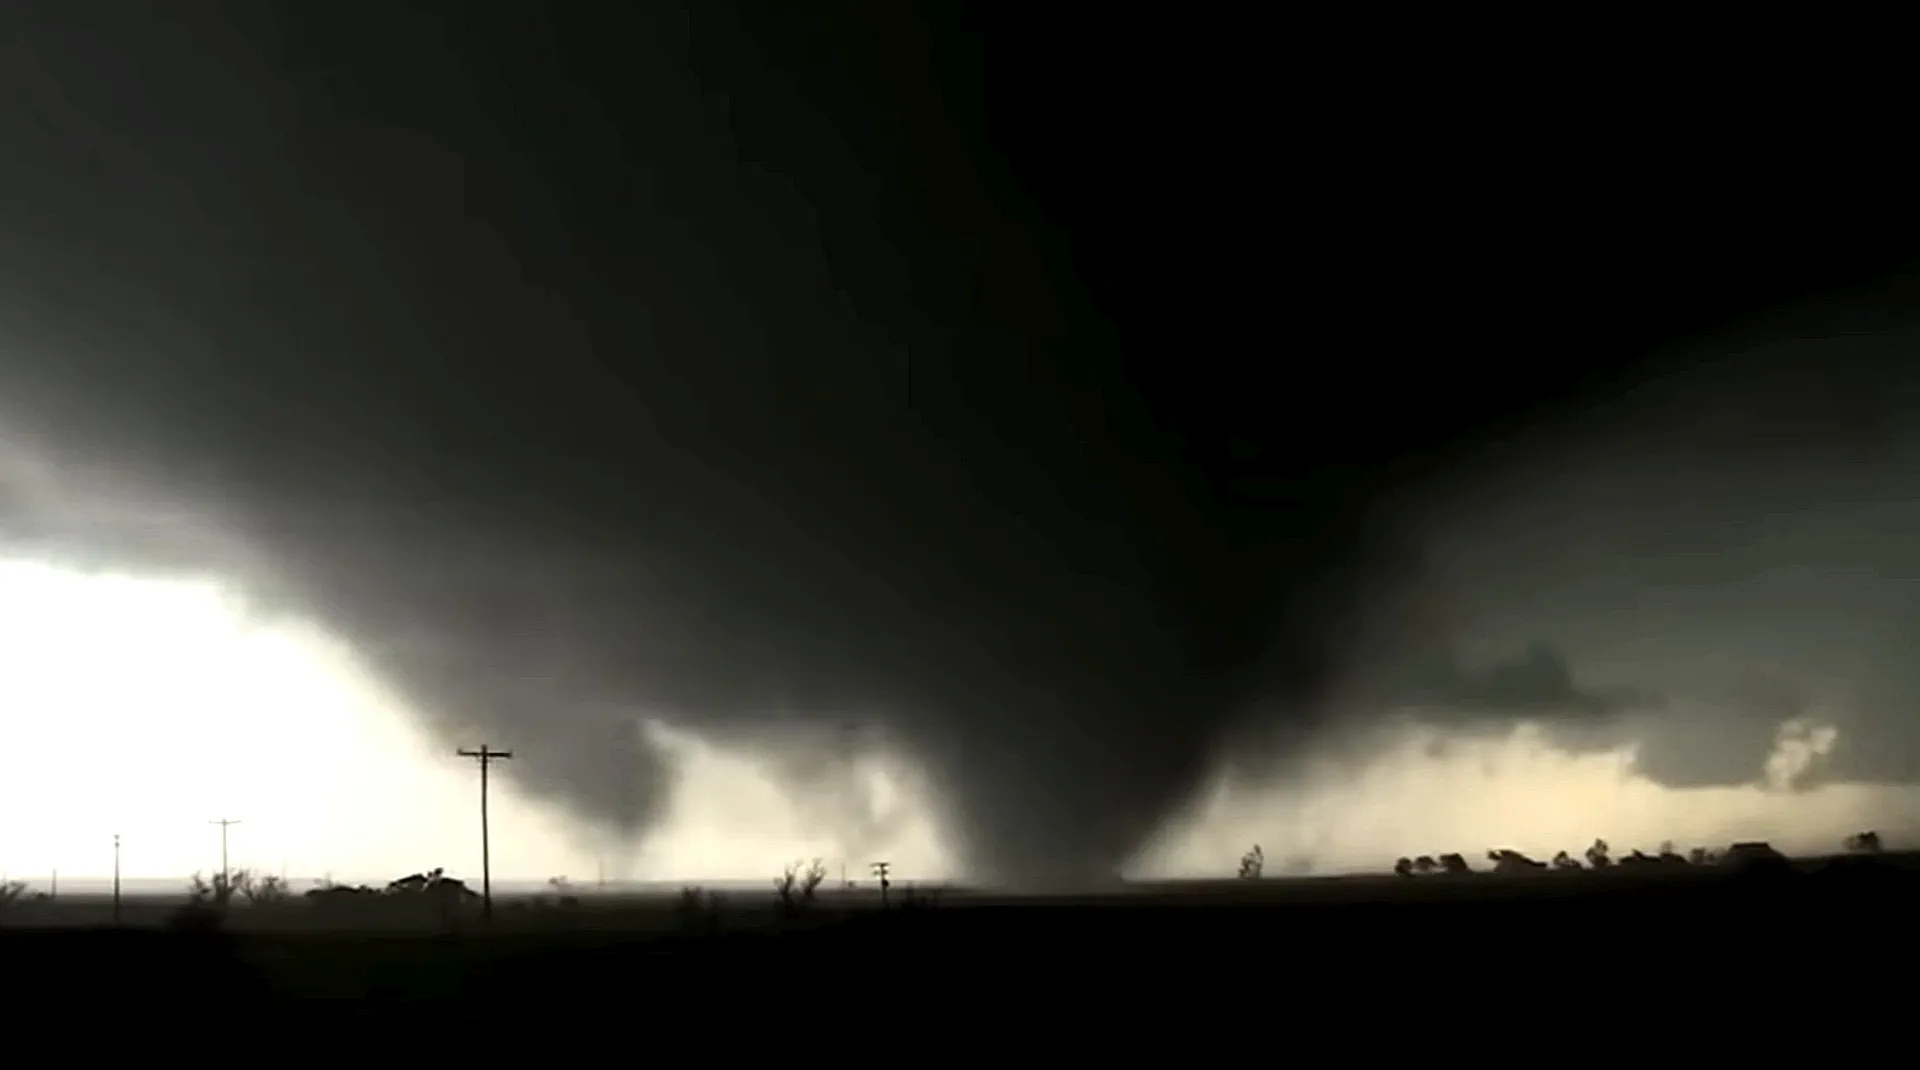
(116,878)
(880,870)
(226,875)
(486,756)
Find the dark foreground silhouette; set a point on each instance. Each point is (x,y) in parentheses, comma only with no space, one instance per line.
(1387,941)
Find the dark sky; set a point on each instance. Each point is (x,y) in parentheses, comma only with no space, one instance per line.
(1066,399)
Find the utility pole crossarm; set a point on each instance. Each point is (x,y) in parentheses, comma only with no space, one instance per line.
(485,753)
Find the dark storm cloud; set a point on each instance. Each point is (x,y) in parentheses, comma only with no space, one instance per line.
(1739,538)
(1536,683)
(586,428)
(1729,745)
(571,404)
(92,517)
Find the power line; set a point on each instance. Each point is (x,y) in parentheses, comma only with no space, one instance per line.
(486,756)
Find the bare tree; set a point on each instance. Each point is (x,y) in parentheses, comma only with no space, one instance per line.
(218,890)
(811,878)
(209,898)
(262,889)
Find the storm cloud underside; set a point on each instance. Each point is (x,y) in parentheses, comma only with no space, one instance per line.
(733,436)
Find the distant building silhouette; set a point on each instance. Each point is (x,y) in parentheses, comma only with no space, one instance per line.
(1510,861)
(1755,856)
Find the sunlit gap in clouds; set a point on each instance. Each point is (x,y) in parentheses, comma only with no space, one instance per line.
(150,706)
(143,693)
(1413,789)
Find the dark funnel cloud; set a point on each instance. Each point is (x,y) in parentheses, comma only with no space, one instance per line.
(982,383)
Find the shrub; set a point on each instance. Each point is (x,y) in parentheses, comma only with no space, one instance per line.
(1866,843)
(700,910)
(1253,863)
(798,884)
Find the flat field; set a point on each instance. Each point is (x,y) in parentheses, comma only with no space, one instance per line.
(601,953)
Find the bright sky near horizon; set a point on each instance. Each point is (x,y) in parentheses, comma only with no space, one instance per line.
(149,707)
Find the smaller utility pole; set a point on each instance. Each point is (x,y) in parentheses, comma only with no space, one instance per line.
(116,878)
(486,756)
(226,874)
(880,870)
